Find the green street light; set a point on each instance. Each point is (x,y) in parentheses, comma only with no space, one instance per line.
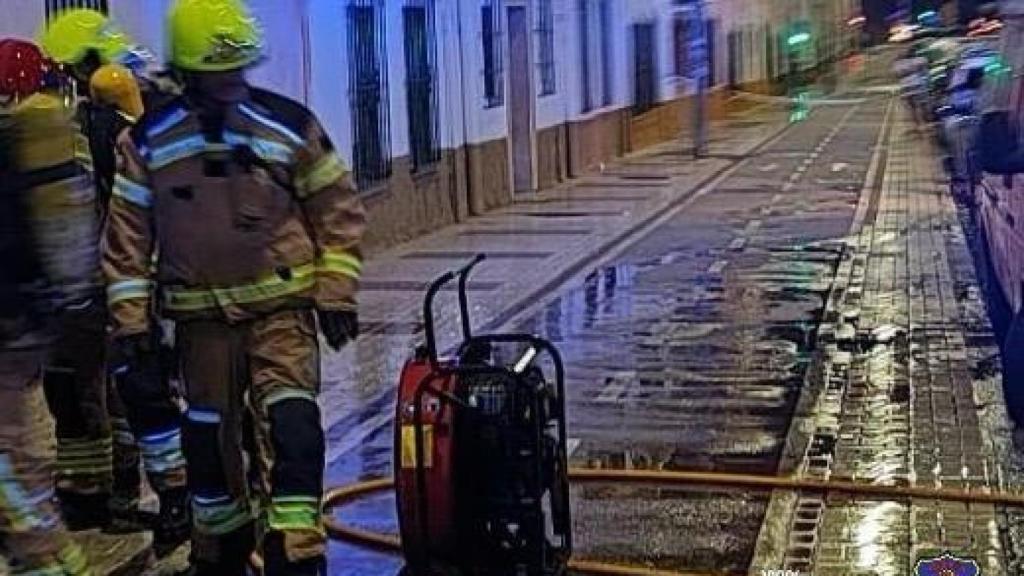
(798,38)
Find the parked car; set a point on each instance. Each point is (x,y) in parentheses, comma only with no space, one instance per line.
(958,113)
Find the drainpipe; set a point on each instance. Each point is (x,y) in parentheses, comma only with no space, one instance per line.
(567,109)
(700,119)
(307,56)
(463,107)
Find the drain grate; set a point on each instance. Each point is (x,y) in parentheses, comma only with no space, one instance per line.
(607,199)
(745,124)
(452,255)
(390,328)
(567,214)
(643,177)
(617,185)
(419,286)
(536,232)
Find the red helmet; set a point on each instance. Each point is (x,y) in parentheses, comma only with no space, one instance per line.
(22,68)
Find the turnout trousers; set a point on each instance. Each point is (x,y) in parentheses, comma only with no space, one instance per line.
(252,435)
(88,416)
(98,435)
(33,536)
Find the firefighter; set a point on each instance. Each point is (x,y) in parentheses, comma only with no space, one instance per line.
(258,227)
(32,184)
(114,104)
(138,412)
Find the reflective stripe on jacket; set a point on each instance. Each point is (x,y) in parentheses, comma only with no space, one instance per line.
(252,212)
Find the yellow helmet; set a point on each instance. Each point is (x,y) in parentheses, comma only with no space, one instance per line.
(213,35)
(70,35)
(115,85)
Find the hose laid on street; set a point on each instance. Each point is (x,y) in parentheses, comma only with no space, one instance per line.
(351,493)
(762,482)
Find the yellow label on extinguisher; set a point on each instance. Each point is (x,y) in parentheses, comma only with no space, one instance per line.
(409,459)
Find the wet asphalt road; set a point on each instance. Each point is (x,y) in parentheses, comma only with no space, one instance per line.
(687,349)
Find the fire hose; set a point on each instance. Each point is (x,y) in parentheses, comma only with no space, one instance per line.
(343,495)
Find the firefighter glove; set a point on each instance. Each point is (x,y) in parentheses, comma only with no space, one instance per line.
(339,327)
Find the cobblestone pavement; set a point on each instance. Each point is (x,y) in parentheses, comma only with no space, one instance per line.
(906,392)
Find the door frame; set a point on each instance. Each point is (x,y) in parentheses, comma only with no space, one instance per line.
(528,7)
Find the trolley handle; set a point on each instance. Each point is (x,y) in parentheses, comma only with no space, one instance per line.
(462,274)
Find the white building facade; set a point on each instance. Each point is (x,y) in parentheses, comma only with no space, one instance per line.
(447,108)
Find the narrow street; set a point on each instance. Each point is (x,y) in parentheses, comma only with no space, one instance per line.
(809,306)
(688,349)
(776,244)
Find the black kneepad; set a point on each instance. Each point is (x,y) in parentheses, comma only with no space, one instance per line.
(147,398)
(62,396)
(298,442)
(200,440)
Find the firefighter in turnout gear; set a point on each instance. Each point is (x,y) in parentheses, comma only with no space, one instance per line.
(103,423)
(258,227)
(44,194)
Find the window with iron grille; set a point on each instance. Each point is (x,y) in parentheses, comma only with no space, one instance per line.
(546,46)
(734,53)
(55,7)
(645,85)
(680,44)
(605,21)
(421,81)
(494,76)
(710,28)
(748,54)
(368,81)
(595,53)
(584,13)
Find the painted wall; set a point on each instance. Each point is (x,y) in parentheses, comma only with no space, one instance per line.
(307,57)
(21,18)
(328,63)
(144,21)
(284,68)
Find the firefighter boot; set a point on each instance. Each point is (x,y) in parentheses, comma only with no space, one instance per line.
(125,515)
(233,552)
(276,561)
(84,511)
(174,524)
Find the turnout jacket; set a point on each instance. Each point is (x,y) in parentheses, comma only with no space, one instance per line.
(230,217)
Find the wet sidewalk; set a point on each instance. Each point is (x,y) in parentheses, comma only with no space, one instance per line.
(684,341)
(904,390)
(533,246)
